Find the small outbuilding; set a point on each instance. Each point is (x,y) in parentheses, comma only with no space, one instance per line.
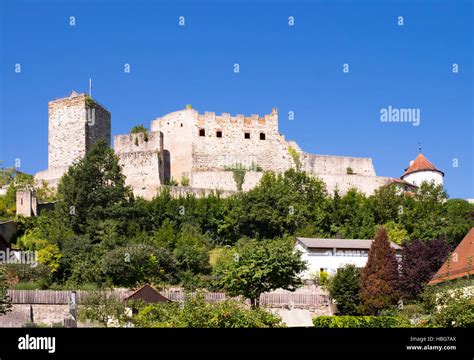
(147,294)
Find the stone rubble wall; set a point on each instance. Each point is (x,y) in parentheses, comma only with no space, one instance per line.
(337,165)
(66,131)
(223,180)
(140,156)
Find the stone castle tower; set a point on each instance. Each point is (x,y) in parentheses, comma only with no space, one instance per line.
(75,123)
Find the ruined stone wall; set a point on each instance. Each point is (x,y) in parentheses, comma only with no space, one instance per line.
(177,129)
(365,184)
(244,140)
(327,164)
(224,180)
(42,314)
(26,203)
(75,124)
(140,156)
(66,131)
(98,124)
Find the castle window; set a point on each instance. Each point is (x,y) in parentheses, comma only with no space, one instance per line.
(202,132)
(21,201)
(262,136)
(247,135)
(219,134)
(181,125)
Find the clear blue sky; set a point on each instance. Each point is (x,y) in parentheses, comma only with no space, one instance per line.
(295,68)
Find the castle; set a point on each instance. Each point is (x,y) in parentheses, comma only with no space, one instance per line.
(204,151)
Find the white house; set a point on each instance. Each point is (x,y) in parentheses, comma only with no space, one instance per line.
(331,254)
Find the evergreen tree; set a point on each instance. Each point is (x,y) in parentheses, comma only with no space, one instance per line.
(344,289)
(379,282)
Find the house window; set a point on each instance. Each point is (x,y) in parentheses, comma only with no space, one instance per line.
(202,132)
(219,134)
(262,136)
(247,135)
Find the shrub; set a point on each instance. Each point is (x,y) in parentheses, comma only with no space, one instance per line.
(195,312)
(360,322)
(184,181)
(321,278)
(344,289)
(25,273)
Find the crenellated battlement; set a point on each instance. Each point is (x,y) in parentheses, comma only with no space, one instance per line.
(240,120)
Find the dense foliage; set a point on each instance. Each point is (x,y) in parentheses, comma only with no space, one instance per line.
(360,322)
(98,224)
(344,289)
(5,303)
(420,261)
(195,312)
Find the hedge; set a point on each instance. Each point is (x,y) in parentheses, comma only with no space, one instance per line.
(360,322)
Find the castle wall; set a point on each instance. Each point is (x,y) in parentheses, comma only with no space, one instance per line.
(26,203)
(66,131)
(223,180)
(74,126)
(51,175)
(211,152)
(365,184)
(98,125)
(327,164)
(141,159)
(177,129)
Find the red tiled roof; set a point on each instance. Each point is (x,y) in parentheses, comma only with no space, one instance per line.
(460,263)
(419,164)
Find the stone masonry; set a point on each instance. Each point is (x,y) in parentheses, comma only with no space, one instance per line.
(201,149)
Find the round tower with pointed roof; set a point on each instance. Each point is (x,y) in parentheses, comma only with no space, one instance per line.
(421,170)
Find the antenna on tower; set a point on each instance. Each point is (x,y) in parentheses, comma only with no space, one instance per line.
(90,87)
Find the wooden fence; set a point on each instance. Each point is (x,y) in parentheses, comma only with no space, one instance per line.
(61,297)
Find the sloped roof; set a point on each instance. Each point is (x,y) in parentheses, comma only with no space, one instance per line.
(147,294)
(460,263)
(314,243)
(399,181)
(420,164)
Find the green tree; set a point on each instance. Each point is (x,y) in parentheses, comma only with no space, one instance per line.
(396,232)
(135,264)
(351,217)
(192,251)
(379,279)
(47,252)
(92,187)
(344,289)
(5,302)
(280,204)
(255,267)
(102,308)
(458,221)
(422,214)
